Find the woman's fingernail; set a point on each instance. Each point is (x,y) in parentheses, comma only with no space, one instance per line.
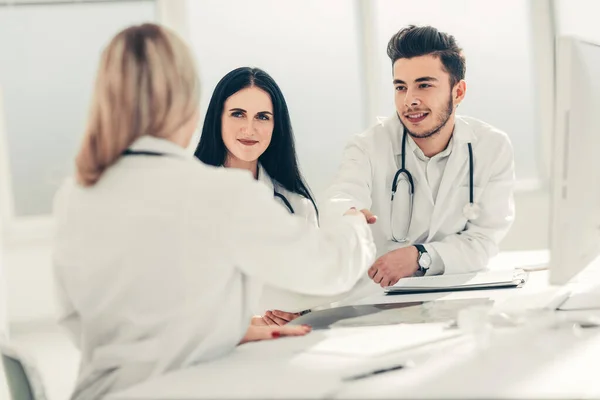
(307,326)
(275,334)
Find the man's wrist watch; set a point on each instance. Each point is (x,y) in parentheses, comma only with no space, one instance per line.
(423,260)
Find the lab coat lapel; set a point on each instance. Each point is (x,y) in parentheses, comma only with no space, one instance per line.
(264,177)
(454,175)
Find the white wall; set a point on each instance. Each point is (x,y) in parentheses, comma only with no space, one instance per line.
(580,18)
(30,285)
(530,230)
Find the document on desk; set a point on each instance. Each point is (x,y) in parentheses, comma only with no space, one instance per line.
(453,282)
(382,340)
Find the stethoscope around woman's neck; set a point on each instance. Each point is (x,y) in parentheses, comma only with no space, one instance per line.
(278,195)
(403,204)
(285,201)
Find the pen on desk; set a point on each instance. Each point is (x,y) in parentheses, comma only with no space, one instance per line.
(375,372)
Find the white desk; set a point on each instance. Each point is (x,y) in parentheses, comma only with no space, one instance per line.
(533,363)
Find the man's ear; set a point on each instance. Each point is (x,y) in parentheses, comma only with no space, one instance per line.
(458,92)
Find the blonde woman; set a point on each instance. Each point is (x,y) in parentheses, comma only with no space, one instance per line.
(158,256)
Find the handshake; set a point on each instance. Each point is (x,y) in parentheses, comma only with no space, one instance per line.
(370,217)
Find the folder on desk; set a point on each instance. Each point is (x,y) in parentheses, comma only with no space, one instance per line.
(454,282)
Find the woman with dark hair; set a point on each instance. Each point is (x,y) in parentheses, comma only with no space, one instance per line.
(247,126)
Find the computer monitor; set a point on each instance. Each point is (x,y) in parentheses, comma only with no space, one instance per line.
(575,182)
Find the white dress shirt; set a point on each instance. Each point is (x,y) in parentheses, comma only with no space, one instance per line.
(431,167)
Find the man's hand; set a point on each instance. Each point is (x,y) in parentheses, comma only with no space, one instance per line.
(279,318)
(395,265)
(369,217)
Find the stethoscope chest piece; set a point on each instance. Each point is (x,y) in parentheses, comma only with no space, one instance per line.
(471,211)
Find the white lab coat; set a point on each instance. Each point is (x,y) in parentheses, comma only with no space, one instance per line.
(365,177)
(158,264)
(277,298)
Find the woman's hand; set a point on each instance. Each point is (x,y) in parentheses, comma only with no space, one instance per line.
(256,332)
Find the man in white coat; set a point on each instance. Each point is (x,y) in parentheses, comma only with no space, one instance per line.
(441,185)
(452,176)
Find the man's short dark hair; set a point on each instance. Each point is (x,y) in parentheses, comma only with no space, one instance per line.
(415,41)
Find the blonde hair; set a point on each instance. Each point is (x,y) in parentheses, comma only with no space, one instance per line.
(147,84)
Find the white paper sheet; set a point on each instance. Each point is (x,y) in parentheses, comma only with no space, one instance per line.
(382,340)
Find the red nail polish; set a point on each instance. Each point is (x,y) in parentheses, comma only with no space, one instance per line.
(275,334)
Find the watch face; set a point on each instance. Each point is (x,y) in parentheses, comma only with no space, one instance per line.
(425,260)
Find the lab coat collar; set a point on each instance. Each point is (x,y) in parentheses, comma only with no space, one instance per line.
(159,145)
(456,169)
(264,177)
(463,133)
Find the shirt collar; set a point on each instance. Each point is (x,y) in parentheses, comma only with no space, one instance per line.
(421,156)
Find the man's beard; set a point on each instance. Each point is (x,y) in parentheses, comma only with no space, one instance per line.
(443,118)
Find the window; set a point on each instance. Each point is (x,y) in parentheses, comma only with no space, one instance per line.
(48,62)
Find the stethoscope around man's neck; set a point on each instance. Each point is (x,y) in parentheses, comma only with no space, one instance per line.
(403,204)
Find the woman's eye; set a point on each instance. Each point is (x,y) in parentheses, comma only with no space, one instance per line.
(263,117)
(237,114)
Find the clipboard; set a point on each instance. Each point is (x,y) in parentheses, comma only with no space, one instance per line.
(456,282)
